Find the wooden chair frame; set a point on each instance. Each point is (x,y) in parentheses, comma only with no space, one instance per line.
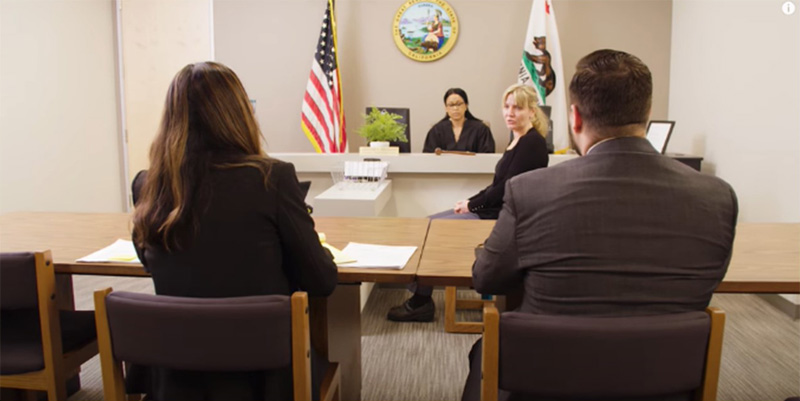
(491,355)
(114,380)
(452,304)
(58,366)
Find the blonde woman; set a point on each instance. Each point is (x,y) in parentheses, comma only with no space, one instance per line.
(527,151)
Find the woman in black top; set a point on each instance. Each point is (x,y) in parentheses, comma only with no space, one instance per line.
(216,217)
(459,129)
(527,151)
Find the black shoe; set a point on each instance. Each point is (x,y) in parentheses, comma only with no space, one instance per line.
(405,313)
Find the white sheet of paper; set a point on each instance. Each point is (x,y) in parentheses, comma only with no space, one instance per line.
(378,256)
(121,251)
(339,257)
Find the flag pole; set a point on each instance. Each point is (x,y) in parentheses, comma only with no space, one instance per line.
(342,133)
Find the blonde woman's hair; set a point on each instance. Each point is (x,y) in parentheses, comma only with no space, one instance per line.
(525,97)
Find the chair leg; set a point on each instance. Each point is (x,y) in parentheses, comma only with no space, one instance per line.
(490,354)
(708,391)
(57,390)
(451,304)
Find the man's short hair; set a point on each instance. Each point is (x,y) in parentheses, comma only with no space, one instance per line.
(612,89)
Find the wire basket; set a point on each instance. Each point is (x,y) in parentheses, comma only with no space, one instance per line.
(356,175)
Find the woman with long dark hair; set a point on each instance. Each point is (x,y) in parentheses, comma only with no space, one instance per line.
(216,217)
(459,130)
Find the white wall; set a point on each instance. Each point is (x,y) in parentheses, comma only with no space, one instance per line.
(735,96)
(158,39)
(59,146)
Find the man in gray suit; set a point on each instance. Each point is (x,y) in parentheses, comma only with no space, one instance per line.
(620,231)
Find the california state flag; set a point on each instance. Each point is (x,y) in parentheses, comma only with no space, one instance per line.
(542,68)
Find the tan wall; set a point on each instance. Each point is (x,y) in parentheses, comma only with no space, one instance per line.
(158,39)
(270,45)
(642,28)
(59,146)
(735,96)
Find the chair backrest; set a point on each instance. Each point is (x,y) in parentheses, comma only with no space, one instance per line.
(205,334)
(612,357)
(32,346)
(202,334)
(18,281)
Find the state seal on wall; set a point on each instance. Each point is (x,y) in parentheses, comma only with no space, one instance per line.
(425,30)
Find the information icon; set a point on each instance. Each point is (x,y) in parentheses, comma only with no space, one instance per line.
(788,8)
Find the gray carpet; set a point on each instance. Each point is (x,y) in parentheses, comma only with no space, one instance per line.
(419,361)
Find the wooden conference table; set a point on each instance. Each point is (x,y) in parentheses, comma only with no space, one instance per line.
(73,235)
(766,259)
(766,256)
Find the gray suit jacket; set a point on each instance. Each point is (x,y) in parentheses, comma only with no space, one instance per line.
(623,230)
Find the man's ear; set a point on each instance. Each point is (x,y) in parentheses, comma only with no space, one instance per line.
(575,119)
(576,122)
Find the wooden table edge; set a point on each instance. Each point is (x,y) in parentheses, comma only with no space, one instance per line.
(447,281)
(761,287)
(101,269)
(725,287)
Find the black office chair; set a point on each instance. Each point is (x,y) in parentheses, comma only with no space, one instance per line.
(207,334)
(136,186)
(305,186)
(675,356)
(40,346)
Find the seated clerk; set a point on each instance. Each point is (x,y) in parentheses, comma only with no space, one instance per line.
(526,152)
(217,217)
(622,230)
(459,130)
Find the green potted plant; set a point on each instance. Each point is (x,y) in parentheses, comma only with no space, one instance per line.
(381,127)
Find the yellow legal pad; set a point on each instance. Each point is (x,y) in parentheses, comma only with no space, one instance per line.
(339,257)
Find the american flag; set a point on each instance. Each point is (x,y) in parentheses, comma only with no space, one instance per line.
(322,112)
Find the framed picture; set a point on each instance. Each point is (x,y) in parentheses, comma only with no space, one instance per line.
(425,30)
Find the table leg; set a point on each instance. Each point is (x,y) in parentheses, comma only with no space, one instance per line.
(344,337)
(65,300)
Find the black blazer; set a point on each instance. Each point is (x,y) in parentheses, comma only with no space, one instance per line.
(251,240)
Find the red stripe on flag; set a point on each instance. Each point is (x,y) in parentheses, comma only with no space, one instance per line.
(313,132)
(323,94)
(315,109)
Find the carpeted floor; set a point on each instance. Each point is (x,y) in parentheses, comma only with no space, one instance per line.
(419,361)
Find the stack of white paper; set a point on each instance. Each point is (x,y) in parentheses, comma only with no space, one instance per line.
(121,251)
(372,171)
(378,256)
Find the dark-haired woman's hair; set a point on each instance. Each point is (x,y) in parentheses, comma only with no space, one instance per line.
(207,123)
(459,92)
